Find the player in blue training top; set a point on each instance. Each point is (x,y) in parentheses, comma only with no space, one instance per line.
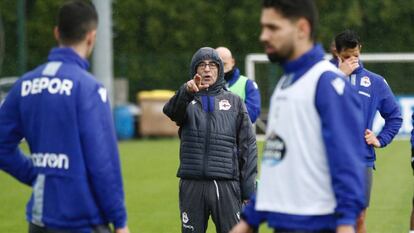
(376,95)
(240,85)
(64,115)
(312,174)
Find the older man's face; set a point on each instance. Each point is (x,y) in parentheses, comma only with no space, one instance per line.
(208,70)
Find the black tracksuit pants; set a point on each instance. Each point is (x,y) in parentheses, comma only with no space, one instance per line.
(201,198)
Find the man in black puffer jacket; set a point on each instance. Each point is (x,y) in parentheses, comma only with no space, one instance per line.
(218,153)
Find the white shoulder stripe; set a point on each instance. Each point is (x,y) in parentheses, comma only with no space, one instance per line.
(51,68)
(339,85)
(364,93)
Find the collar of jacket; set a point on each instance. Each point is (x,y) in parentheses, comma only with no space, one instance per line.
(299,66)
(67,55)
(234,77)
(213,90)
(359,69)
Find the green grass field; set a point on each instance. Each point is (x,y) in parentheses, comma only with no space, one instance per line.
(149,169)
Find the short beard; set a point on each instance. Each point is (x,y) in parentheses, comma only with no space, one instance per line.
(276,58)
(283,55)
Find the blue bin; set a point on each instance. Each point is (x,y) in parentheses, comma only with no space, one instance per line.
(124,122)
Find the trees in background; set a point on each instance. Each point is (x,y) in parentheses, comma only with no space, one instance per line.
(154,39)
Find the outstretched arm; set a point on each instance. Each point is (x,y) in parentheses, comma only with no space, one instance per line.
(176,107)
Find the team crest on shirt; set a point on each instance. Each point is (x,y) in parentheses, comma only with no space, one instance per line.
(224,105)
(274,150)
(365,81)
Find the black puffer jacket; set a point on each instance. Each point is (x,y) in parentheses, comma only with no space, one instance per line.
(217,140)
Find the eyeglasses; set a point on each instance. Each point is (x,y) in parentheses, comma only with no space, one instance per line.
(211,65)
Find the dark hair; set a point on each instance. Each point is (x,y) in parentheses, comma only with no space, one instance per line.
(75,19)
(347,39)
(295,9)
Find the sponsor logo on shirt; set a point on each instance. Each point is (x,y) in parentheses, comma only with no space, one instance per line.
(51,160)
(274,150)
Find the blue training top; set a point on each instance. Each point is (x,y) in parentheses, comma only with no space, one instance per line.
(376,95)
(340,119)
(64,115)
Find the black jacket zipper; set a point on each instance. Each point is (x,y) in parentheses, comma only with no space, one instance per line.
(207,138)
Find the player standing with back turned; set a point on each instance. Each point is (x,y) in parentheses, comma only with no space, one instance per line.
(64,115)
